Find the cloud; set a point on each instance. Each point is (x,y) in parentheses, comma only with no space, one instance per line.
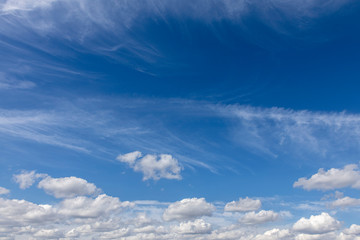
(6,83)
(153,166)
(67,187)
(129,158)
(20,213)
(199,226)
(85,207)
(243,205)
(260,217)
(345,202)
(48,234)
(334,178)
(317,224)
(27,178)
(353,230)
(274,234)
(4,191)
(188,208)
(25,5)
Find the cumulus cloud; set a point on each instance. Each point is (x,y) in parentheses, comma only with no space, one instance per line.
(67,187)
(345,202)
(243,205)
(317,224)
(21,212)
(199,226)
(260,217)
(334,178)
(129,158)
(188,208)
(274,234)
(353,230)
(85,207)
(27,178)
(4,191)
(153,166)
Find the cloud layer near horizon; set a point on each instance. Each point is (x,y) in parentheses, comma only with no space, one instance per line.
(78,216)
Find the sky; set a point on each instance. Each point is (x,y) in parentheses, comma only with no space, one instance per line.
(204,119)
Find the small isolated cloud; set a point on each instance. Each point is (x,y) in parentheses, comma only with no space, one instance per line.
(334,178)
(85,207)
(345,202)
(68,187)
(188,208)
(4,191)
(199,226)
(153,166)
(243,205)
(260,217)
(318,224)
(27,178)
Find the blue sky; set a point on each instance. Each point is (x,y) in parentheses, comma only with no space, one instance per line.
(179,119)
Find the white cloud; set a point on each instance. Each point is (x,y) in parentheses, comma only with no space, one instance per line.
(274,234)
(27,178)
(48,234)
(85,207)
(199,226)
(188,208)
(243,205)
(259,217)
(153,166)
(317,224)
(14,5)
(20,212)
(4,191)
(67,187)
(345,202)
(334,178)
(353,230)
(324,236)
(129,158)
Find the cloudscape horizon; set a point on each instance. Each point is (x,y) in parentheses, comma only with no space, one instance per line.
(129,119)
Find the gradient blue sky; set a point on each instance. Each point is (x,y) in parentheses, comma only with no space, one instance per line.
(225,100)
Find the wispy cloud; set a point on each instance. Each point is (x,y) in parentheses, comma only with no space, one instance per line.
(106,29)
(121,126)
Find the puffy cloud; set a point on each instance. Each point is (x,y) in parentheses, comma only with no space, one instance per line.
(129,158)
(188,208)
(48,234)
(85,207)
(260,217)
(317,224)
(243,205)
(27,178)
(193,227)
(345,202)
(274,234)
(67,187)
(324,236)
(334,178)
(153,166)
(20,212)
(353,230)
(4,191)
